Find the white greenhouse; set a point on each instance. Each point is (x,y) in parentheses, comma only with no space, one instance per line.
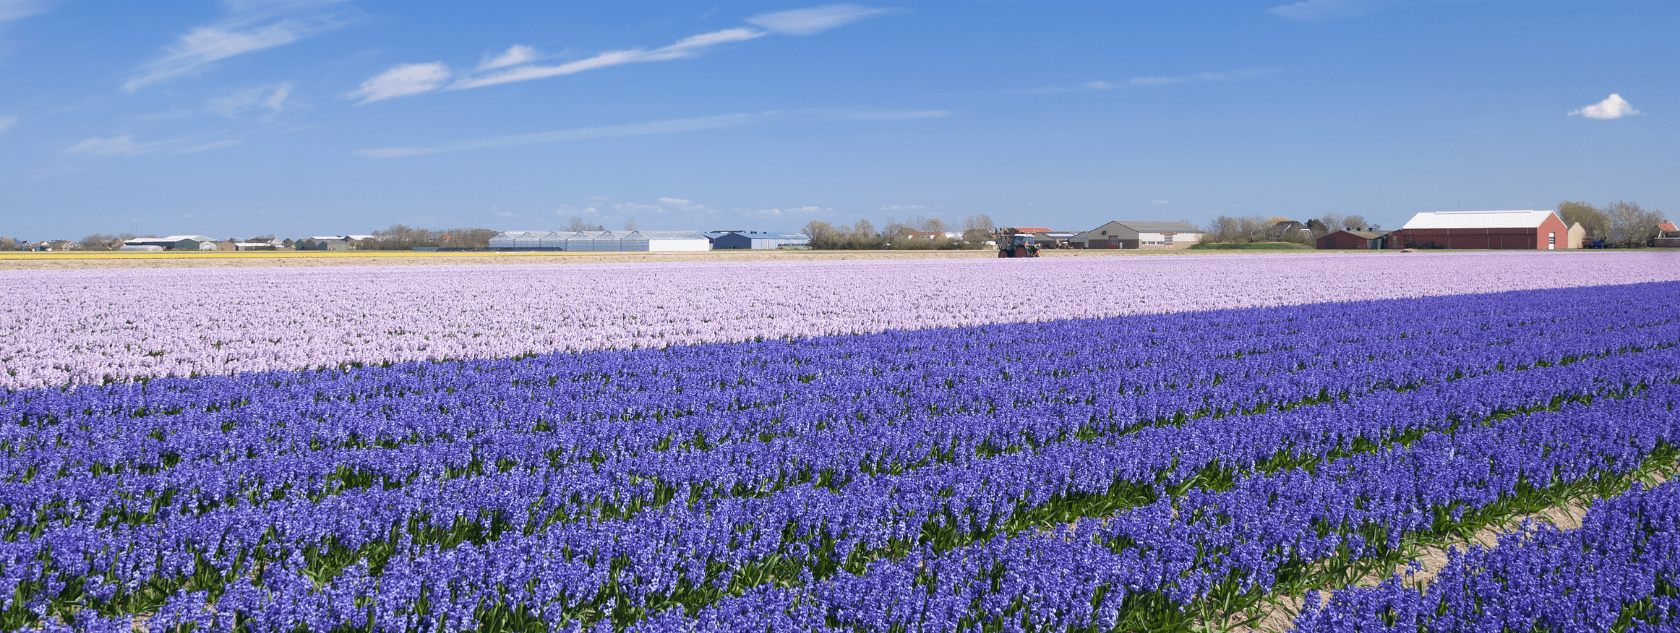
(600,241)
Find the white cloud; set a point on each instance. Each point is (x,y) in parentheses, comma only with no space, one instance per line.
(402,80)
(16,9)
(792,212)
(897,116)
(1321,10)
(633,129)
(505,214)
(1614,107)
(633,208)
(682,205)
(253,26)
(1232,75)
(1160,202)
(815,19)
(516,60)
(687,47)
(273,98)
(125,145)
(6,123)
(514,56)
(1247,73)
(903,207)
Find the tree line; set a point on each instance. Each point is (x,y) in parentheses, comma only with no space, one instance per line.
(1620,222)
(916,233)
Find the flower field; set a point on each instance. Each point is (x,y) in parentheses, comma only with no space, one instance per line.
(799,461)
(95,326)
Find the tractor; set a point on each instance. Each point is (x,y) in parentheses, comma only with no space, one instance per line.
(1018,245)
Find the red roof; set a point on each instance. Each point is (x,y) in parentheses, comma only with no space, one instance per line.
(1668,226)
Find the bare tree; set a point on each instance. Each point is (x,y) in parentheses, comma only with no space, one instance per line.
(1355,223)
(1333,222)
(1631,224)
(576,223)
(1594,221)
(977,229)
(630,224)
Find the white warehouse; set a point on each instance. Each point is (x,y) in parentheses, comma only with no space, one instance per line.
(600,241)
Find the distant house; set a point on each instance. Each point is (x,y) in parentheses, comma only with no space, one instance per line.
(1287,230)
(1133,234)
(1577,235)
(52,245)
(1668,236)
(172,243)
(1353,240)
(326,243)
(1500,230)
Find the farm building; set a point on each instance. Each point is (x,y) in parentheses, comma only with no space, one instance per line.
(1131,234)
(1530,230)
(1354,240)
(1668,236)
(757,240)
(173,243)
(1288,229)
(600,241)
(1052,239)
(1577,235)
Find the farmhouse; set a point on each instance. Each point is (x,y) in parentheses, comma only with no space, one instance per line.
(1354,240)
(757,240)
(600,241)
(1535,230)
(1668,236)
(1131,234)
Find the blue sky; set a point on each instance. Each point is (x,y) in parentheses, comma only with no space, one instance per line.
(306,117)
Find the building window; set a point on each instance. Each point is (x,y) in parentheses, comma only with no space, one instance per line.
(1551,241)
(1167,239)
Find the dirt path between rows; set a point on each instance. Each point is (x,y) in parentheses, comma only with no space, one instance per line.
(1566,516)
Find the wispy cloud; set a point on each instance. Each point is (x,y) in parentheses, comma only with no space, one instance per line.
(514,64)
(1614,107)
(1321,10)
(1247,73)
(514,56)
(271,98)
(897,116)
(1137,82)
(1160,202)
(633,208)
(682,204)
(19,9)
(125,145)
(558,136)
(402,80)
(903,207)
(252,26)
(815,19)
(687,47)
(6,123)
(791,212)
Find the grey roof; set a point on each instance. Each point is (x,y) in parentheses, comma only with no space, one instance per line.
(1157,227)
(1370,235)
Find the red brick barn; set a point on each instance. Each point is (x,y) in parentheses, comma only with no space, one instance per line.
(1352,240)
(1495,230)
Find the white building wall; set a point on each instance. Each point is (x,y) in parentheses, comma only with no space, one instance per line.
(680,245)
